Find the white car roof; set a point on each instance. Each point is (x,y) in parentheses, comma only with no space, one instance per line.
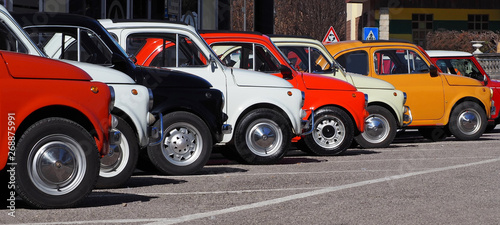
(446,53)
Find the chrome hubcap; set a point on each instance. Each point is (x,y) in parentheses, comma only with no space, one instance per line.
(57,164)
(329,133)
(376,129)
(264,137)
(182,144)
(468,121)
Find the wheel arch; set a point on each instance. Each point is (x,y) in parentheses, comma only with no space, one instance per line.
(465,99)
(57,111)
(264,106)
(388,107)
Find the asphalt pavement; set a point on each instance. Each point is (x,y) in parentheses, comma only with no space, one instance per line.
(414,181)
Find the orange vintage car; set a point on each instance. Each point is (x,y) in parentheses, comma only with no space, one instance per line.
(58,123)
(441,104)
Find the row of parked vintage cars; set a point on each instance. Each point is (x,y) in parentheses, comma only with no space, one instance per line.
(158,94)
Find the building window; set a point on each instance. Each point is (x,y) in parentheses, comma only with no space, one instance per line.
(478,22)
(421,24)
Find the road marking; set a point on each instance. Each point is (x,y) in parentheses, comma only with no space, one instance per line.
(186,218)
(310,194)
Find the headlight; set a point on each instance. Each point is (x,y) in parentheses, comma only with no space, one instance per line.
(366,99)
(150,103)
(404,101)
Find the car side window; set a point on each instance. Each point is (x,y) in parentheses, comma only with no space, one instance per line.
(8,41)
(265,60)
(63,43)
(235,55)
(165,50)
(298,57)
(354,62)
(319,63)
(399,61)
(241,55)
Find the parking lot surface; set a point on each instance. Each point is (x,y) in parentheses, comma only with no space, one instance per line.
(414,181)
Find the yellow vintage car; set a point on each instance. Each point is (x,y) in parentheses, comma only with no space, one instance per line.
(441,104)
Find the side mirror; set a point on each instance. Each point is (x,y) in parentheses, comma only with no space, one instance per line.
(286,72)
(433,71)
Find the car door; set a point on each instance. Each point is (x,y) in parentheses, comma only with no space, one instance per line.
(409,72)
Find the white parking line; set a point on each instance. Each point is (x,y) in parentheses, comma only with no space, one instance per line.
(186,218)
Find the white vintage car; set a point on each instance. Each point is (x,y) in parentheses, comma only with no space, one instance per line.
(265,111)
(131,108)
(386,105)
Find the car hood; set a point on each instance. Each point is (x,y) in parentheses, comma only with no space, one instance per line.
(102,73)
(41,68)
(257,79)
(455,80)
(364,82)
(319,82)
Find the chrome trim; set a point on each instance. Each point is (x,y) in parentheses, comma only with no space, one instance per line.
(405,98)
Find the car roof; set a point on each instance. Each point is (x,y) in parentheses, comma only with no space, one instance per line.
(342,45)
(446,53)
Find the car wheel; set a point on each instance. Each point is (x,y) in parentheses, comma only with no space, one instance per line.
(263,136)
(57,163)
(380,128)
(332,134)
(467,121)
(186,145)
(119,164)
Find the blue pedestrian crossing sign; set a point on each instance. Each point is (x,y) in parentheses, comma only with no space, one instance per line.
(370,33)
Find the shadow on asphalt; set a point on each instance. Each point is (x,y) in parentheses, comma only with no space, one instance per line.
(139,181)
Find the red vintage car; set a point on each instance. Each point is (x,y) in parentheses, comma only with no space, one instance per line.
(58,125)
(465,64)
(340,110)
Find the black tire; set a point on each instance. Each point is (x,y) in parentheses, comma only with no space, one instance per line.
(332,134)
(119,164)
(467,121)
(434,133)
(380,128)
(186,145)
(59,183)
(263,136)
(144,163)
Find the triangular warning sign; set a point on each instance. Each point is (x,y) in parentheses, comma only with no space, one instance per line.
(330,36)
(371,36)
